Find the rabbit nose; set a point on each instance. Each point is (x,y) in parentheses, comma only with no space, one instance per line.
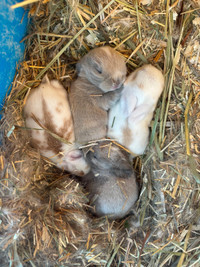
(117,82)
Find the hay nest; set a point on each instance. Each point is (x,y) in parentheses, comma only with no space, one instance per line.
(43,211)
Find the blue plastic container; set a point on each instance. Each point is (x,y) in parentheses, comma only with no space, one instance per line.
(13,24)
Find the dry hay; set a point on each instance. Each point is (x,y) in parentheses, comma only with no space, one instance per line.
(43,211)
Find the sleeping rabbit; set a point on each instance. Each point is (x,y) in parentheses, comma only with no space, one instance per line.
(47,109)
(101,74)
(111,182)
(130,118)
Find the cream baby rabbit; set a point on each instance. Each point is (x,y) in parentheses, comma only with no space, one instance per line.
(101,74)
(129,119)
(47,106)
(111,183)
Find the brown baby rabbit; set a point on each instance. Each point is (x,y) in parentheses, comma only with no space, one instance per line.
(47,107)
(101,74)
(111,182)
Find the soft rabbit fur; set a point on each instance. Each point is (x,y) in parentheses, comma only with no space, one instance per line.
(111,183)
(48,105)
(130,118)
(101,74)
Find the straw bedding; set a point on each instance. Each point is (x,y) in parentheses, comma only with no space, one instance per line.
(43,212)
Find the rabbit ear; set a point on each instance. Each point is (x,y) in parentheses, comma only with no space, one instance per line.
(127,103)
(94,62)
(121,168)
(45,79)
(140,113)
(122,172)
(80,63)
(78,67)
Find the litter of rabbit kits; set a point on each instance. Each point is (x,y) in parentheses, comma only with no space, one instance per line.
(44,218)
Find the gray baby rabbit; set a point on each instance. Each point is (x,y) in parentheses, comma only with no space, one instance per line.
(111,182)
(101,74)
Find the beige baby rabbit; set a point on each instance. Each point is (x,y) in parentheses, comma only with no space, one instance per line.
(101,74)
(111,183)
(130,117)
(47,106)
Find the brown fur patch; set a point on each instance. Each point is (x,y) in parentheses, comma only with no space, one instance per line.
(53,144)
(67,130)
(58,109)
(26,115)
(127,136)
(35,143)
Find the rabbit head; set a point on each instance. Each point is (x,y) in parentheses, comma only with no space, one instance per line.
(104,67)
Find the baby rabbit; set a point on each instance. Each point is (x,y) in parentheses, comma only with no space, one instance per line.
(101,74)
(129,119)
(111,183)
(47,107)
